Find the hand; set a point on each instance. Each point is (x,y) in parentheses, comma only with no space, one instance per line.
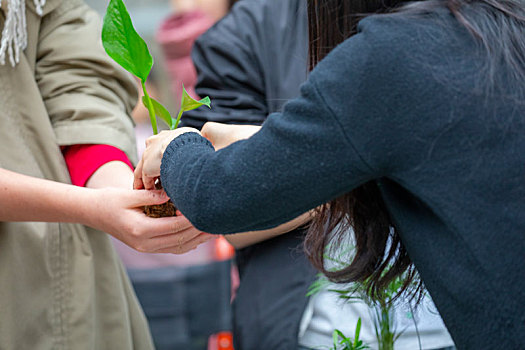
(119,213)
(148,169)
(222,135)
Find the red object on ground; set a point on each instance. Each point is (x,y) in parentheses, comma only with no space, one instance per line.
(223,249)
(221,341)
(83,160)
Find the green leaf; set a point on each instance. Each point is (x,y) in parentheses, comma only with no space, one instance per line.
(318,285)
(189,104)
(357,332)
(347,343)
(122,43)
(335,338)
(160,111)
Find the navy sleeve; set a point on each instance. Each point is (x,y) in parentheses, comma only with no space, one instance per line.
(227,62)
(299,159)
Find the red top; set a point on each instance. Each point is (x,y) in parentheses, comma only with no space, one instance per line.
(83,160)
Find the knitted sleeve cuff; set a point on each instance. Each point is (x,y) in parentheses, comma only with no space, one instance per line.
(189,139)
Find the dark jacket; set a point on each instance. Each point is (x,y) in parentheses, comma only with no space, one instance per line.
(402,103)
(250,64)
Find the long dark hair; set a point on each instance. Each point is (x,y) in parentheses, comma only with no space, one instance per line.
(379,255)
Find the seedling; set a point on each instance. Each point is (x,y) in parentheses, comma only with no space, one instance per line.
(342,342)
(123,44)
(381,306)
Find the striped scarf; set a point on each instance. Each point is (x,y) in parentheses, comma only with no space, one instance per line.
(14,34)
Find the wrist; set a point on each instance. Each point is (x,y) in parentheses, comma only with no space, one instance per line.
(83,206)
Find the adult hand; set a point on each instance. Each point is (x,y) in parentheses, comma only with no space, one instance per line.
(222,135)
(119,213)
(148,169)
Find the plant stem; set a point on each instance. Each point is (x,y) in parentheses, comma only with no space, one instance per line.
(415,325)
(150,108)
(178,118)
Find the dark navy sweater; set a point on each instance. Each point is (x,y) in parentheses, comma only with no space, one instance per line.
(403,103)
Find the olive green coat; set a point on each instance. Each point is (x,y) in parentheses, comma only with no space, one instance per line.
(62,285)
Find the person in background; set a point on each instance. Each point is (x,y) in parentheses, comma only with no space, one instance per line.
(63,99)
(176,35)
(410,131)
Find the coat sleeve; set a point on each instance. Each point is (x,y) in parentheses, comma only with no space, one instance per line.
(89,98)
(229,71)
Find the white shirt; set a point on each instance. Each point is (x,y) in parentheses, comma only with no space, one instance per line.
(326,311)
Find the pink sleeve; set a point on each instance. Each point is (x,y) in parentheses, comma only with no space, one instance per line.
(83,160)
